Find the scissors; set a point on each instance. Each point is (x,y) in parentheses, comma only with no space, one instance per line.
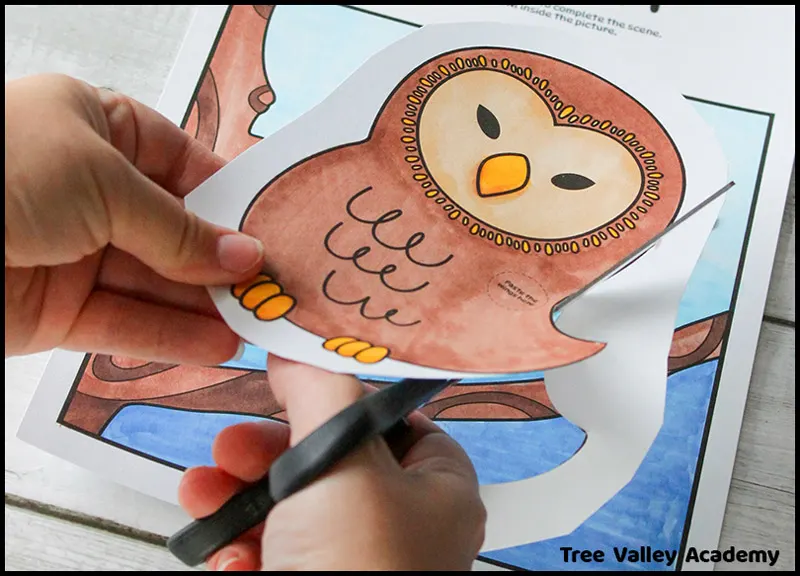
(381,413)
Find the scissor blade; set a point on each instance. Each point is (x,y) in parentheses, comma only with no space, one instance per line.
(645,247)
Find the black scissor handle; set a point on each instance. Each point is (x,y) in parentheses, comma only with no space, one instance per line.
(196,542)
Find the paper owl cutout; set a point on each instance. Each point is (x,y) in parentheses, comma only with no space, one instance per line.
(426,217)
(493,184)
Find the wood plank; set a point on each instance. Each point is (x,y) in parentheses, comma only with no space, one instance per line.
(761,508)
(128,48)
(765,455)
(43,543)
(780,298)
(759,518)
(38,542)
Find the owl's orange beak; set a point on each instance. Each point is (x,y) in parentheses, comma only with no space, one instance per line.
(503,174)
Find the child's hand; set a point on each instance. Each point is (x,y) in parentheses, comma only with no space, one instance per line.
(100,254)
(368,513)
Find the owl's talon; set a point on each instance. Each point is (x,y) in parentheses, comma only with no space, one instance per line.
(333,343)
(239,289)
(372,354)
(264,297)
(361,350)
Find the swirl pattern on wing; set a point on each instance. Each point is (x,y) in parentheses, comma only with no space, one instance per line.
(404,252)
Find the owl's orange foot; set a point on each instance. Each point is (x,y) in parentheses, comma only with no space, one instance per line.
(264,297)
(354,348)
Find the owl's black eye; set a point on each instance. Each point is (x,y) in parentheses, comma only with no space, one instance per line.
(488,122)
(569,181)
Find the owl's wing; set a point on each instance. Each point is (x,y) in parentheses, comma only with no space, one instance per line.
(381,245)
(352,244)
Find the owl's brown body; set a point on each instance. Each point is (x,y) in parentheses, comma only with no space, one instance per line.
(368,251)
(461,320)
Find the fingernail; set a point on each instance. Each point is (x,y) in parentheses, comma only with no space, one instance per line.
(239,253)
(226,559)
(239,352)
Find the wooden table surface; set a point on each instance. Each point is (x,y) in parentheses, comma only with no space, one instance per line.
(61,517)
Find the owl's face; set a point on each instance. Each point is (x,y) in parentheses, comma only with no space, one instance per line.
(491,143)
(532,154)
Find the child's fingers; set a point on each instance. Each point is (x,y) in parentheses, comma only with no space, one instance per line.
(242,555)
(156,146)
(247,450)
(203,490)
(121,273)
(120,325)
(420,426)
(312,396)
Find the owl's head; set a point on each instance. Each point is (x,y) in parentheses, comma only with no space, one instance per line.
(532,153)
